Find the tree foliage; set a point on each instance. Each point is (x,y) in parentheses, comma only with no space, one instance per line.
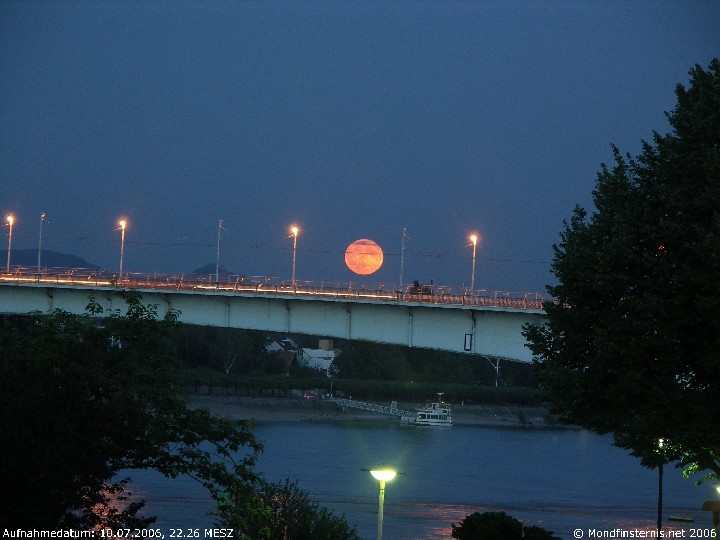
(230,350)
(366,360)
(84,397)
(235,351)
(632,339)
(498,526)
(284,512)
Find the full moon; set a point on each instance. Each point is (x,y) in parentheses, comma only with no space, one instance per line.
(363,257)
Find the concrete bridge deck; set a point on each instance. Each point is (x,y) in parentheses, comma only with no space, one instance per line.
(482,323)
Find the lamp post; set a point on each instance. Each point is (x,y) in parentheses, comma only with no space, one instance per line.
(294,230)
(496,366)
(42,219)
(123,224)
(473,241)
(382,475)
(661,442)
(10,220)
(714,507)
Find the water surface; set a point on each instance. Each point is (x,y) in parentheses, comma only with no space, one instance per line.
(560,479)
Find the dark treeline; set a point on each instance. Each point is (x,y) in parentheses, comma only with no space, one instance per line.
(235,361)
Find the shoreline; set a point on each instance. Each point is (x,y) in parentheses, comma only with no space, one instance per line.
(268,409)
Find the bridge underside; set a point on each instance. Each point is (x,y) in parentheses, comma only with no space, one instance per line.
(472,330)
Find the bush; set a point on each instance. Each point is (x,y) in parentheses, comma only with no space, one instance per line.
(488,526)
(498,526)
(283,510)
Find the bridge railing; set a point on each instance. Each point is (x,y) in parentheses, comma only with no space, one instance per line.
(239,284)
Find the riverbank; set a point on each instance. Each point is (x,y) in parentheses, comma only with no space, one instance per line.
(263,409)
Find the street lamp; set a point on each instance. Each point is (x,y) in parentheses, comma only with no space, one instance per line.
(294,230)
(123,224)
(10,220)
(661,443)
(473,241)
(42,219)
(382,475)
(714,507)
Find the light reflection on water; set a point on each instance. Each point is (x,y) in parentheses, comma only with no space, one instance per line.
(560,480)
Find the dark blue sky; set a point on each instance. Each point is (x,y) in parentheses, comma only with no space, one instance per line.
(351,119)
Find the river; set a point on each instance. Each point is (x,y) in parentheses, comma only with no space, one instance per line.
(559,479)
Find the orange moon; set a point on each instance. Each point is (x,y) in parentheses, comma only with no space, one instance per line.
(363,257)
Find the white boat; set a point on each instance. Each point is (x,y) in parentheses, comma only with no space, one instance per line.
(434,413)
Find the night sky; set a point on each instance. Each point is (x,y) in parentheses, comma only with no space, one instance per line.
(350,119)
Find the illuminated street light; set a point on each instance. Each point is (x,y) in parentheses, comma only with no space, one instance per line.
(382,475)
(42,219)
(294,230)
(714,507)
(473,241)
(123,224)
(661,443)
(10,220)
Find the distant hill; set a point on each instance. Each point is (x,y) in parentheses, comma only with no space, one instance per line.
(210,269)
(27,258)
(49,259)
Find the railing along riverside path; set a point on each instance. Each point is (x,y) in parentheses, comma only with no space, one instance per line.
(276,286)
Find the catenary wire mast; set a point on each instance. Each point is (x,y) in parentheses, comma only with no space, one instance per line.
(42,220)
(217,257)
(402,256)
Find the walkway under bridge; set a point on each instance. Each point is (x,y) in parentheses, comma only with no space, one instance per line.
(392,410)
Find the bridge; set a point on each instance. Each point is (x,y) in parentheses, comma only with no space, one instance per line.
(487,323)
